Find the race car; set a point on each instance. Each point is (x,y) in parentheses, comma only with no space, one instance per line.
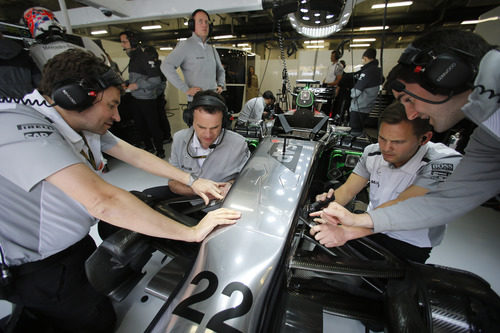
(267,274)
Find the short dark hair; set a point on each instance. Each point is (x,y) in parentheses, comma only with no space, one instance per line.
(439,41)
(395,114)
(200,10)
(268,94)
(336,54)
(212,109)
(370,53)
(72,65)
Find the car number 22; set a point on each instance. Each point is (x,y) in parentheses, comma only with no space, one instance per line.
(216,323)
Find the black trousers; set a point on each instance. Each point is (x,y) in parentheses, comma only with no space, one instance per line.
(147,120)
(165,124)
(357,122)
(58,295)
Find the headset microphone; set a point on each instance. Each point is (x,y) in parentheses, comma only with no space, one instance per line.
(400,87)
(212,146)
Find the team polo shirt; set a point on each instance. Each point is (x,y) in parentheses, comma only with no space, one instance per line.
(431,165)
(333,71)
(37,219)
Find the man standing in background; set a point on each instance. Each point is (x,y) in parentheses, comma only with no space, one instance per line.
(199,62)
(144,80)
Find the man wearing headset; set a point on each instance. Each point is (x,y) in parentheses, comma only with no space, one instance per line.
(444,76)
(403,164)
(207,148)
(199,61)
(144,85)
(52,193)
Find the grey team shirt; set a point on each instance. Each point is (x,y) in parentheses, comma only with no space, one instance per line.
(477,177)
(200,65)
(37,219)
(430,165)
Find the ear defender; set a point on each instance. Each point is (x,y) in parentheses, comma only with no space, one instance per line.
(79,95)
(206,100)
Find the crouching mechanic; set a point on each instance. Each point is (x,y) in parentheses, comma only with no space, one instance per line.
(403,164)
(255,109)
(207,148)
(52,194)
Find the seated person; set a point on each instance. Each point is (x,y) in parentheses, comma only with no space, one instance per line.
(207,148)
(403,164)
(254,109)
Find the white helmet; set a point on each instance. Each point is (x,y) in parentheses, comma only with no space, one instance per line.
(40,21)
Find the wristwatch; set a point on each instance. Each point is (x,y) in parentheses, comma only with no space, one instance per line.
(192,179)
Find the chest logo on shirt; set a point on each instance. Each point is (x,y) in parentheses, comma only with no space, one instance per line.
(33,130)
(441,171)
(374,182)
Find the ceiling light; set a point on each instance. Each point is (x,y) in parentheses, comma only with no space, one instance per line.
(329,16)
(317,21)
(393,4)
(99,32)
(185,22)
(320,41)
(151,27)
(355,40)
(317,14)
(304,10)
(166,48)
(359,45)
(242,44)
(223,37)
(305,18)
(181,39)
(494,18)
(373,28)
(315,46)
(246,48)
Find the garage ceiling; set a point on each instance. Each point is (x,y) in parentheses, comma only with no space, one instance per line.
(250,20)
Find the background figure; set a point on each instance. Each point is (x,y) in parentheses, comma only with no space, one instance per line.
(161,101)
(144,84)
(18,73)
(254,109)
(200,63)
(333,76)
(365,91)
(252,84)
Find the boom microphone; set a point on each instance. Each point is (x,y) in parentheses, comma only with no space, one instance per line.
(400,87)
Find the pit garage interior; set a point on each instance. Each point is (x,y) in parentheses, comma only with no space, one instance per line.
(247,29)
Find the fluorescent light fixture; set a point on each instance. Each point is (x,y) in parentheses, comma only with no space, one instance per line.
(320,41)
(151,27)
(242,44)
(357,40)
(315,46)
(99,32)
(181,39)
(223,37)
(246,49)
(392,4)
(185,22)
(373,28)
(359,45)
(166,48)
(494,18)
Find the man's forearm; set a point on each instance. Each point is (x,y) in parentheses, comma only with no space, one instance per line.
(180,189)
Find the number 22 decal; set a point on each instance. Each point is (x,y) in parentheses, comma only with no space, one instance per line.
(216,323)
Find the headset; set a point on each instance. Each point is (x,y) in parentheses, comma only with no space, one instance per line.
(206,100)
(445,71)
(133,40)
(71,94)
(191,23)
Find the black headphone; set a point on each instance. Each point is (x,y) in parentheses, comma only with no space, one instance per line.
(191,21)
(71,94)
(133,40)
(446,71)
(206,100)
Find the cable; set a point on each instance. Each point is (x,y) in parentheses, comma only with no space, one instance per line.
(25,101)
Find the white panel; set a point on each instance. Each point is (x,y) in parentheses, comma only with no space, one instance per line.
(140,10)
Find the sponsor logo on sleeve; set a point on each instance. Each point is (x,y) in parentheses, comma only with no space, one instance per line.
(34,130)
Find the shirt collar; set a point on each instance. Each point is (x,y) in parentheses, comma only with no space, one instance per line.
(415,162)
(49,112)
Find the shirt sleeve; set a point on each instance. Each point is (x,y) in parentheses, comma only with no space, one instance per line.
(475,180)
(221,73)
(360,169)
(170,65)
(108,141)
(32,153)
(437,171)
